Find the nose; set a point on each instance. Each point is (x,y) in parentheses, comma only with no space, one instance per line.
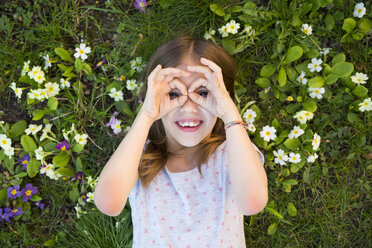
(189,106)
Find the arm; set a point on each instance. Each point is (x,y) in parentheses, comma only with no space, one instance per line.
(120,173)
(248,176)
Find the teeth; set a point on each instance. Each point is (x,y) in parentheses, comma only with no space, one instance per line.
(189,124)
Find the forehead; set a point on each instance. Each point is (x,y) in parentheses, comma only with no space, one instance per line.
(193,77)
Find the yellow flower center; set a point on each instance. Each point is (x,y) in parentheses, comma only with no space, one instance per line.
(316,91)
(24,162)
(249,116)
(267,133)
(28,192)
(63,148)
(359,10)
(80,139)
(306,31)
(14,210)
(365,104)
(4,142)
(315,141)
(51,89)
(295,131)
(293,158)
(315,65)
(280,157)
(307,114)
(14,192)
(81,51)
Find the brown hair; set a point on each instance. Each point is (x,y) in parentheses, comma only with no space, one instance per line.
(172,54)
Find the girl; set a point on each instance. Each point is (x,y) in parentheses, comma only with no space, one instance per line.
(188,120)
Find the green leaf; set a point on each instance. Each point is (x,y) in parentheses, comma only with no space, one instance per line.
(282,77)
(36,198)
(309,106)
(28,143)
(217,9)
(267,70)
(329,22)
(342,69)
(38,114)
(17,129)
(20,175)
(291,209)
(349,25)
(50,242)
(67,172)
(274,212)
(360,91)
(61,160)
(263,82)
(331,78)
(52,103)
(290,182)
(78,148)
(74,193)
(340,57)
(87,68)
(352,117)
(3,194)
(293,54)
(272,228)
(79,164)
(61,52)
(364,25)
(292,144)
(78,65)
(316,82)
(306,175)
(33,167)
(229,45)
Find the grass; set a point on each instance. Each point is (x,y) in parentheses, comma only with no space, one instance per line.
(333,207)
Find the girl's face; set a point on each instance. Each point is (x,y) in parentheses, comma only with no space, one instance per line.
(190,123)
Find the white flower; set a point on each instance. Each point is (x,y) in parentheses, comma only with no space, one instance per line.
(359,10)
(294,158)
(26,68)
(306,29)
(34,94)
(312,158)
(268,133)
(82,52)
(34,129)
(47,62)
(359,78)
(9,151)
(79,211)
(223,31)
(90,197)
(115,126)
(296,132)
(46,130)
(251,127)
(317,92)
(5,142)
(131,84)
(52,89)
(366,105)
(232,27)
(316,142)
(249,115)
(48,170)
(301,78)
(315,65)
(64,83)
(39,153)
(137,64)
(35,70)
(92,183)
(40,77)
(17,91)
(303,116)
(81,139)
(209,34)
(281,157)
(117,95)
(325,51)
(249,30)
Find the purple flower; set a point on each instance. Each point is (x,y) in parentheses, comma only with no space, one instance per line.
(40,204)
(28,192)
(99,64)
(13,192)
(141,5)
(24,161)
(4,216)
(83,196)
(116,126)
(79,176)
(63,146)
(15,212)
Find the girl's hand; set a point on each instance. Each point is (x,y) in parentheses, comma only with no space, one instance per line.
(218,100)
(159,83)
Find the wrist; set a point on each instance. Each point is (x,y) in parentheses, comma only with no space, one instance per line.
(231,116)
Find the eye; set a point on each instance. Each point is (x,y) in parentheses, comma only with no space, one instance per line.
(173,95)
(203,93)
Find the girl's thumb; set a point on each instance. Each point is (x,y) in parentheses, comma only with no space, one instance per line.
(181,100)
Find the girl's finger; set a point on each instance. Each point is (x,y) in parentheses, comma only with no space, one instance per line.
(168,74)
(203,70)
(199,83)
(154,73)
(215,68)
(177,84)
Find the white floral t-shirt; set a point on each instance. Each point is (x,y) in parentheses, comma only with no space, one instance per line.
(186,209)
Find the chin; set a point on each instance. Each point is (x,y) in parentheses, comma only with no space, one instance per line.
(189,143)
